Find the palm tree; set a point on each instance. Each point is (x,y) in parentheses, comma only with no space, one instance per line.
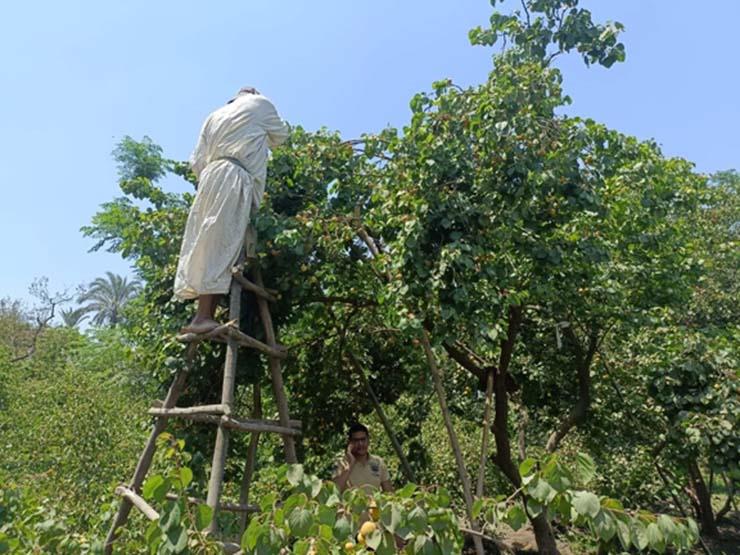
(73,317)
(106,297)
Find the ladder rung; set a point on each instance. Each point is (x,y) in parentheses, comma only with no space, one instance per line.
(138,502)
(233,507)
(257,426)
(215,333)
(253,287)
(222,333)
(245,425)
(184,411)
(247,341)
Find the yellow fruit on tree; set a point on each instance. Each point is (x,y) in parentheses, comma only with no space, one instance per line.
(349,546)
(367,528)
(360,538)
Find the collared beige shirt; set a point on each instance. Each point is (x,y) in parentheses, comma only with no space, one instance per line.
(372,473)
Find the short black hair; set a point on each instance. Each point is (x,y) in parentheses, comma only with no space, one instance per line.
(357,427)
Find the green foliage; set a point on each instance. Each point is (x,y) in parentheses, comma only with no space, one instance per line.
(181,525)
(306,515)
(549,485)
(69,427)
(544,29)
(32,525)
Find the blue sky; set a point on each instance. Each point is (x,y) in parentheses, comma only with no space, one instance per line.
(79,75)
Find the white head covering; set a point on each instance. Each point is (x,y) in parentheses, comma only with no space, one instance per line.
(244,90)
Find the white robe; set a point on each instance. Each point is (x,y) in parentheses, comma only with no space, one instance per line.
(230,161)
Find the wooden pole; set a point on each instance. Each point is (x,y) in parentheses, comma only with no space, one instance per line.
(138,502)
(439,387)
(251,461)
(275,370)
(253,287)
(184,411)
(486,430)
(215,482)
(145,459)
(381,414)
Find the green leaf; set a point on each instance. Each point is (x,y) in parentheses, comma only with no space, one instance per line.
(655,537)
(639,535)
(342,529)
(300,522)
(177,536)
(605,526)
(374,539)
(534,507)
(417,520)
(251,535)
(170,516)
(516,517)
(526,467)
(327,515)
(586,503)
(623,532)
(295,474)
(541,491)
(387,545)
(203,516)
(301,547)
(586,467)
(667,526)
(325,532)
(268,501)
(420,543)
(391,517)
(477,507)
(406,491)
(443,497)
(153,535)
(186,476)
(156,488)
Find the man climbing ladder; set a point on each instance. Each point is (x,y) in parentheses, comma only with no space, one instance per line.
(230,162)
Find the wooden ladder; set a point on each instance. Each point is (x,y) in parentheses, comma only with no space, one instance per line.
(220,415)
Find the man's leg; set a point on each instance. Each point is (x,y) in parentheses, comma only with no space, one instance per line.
(203,321)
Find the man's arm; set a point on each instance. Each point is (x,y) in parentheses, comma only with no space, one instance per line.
(198,159)
(277,130)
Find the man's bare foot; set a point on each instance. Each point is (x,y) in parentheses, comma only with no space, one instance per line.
(200,326)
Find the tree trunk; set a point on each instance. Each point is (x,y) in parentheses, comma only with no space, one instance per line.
(543,535)
(704,499)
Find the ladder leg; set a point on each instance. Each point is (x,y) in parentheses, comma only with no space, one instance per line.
(250,463)
(215,482)
(277,374)
(145,460)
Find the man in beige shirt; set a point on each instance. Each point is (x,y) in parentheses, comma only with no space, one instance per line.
(359,468)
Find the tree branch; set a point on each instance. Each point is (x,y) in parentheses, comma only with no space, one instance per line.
(42,322)
(583,366)
(526,13)
(336,299)
(730,484)
(463,359)
(501,405)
